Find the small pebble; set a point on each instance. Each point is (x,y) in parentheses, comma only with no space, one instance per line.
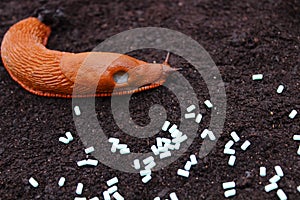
(191,108)
(230,193)
(245,145)
(257,77)
(61,181)
(33,182)
(112,181)
(281,194)
(77,110)
(208,104)
(79,188)
(183,173)
(231,160)
(293,114)
(235,136)
(280,89)
(279,171)
(262,171)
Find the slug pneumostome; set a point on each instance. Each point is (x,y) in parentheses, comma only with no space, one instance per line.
(53,73)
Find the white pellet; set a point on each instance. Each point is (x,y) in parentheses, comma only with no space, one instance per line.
(173,128)
(279,171)
(281,194)
(298,152)
(113,148)
(136,164)
(79,188)
(235,136)
(61,181)
(171,147)
(198,118)
(80,198)
(117,196)
(298,188)
(33,182)
(245,145)
(176,133)
(208,104)
(165,126)
(188,166)
(231,160)
(89,150)
(94,198)
(113,140)
(280,89)
(154,150)
(189,115)
(64,140)
(106,195)
(230,193)
(257,77)
(163,149)
(183,173)
(121,146)
(112,189)
(112,181)
(204,133)
(77,110)
(125,151)
(229,144)
(173,196)
(211,136)
(177,146)
(274,179)
(165,154)
(166,140)
(193,159)
(156,198)
(150,165)
(146,178)
(190,108)
(145,172)
(228,185)
(69,136)
(262,171)
(293,114)
(81,163)
(148,160)
(159,142)
(180,139)
(296,137)
(229,151)
(92,162)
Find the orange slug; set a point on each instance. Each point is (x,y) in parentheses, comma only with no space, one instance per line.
(53,73)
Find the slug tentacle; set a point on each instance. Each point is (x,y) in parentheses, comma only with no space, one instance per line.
(53,73)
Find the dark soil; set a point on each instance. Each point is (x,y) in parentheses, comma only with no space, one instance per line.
(242,38)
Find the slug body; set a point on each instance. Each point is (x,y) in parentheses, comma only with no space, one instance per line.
(53,73)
